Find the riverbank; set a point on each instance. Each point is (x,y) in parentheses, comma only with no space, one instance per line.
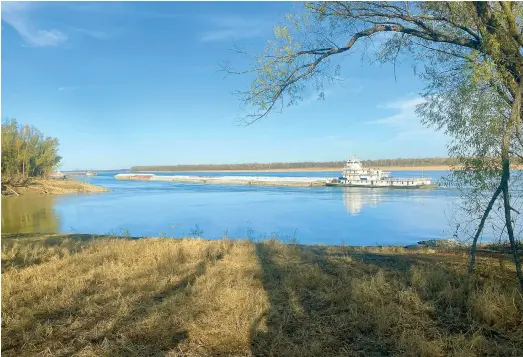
(52,187)
(114,296)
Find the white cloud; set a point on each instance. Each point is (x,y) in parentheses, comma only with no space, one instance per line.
(220,35)
(75,88)
(406,125)
(406,115)
(410,134)
(16,14)
(234,27)
(405,104)
(99,35)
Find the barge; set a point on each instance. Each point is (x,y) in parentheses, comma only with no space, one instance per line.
(353,175)
(229,180)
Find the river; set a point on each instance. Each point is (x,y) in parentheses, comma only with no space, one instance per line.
(321,215)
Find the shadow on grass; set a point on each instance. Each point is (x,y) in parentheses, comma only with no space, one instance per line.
(342,301)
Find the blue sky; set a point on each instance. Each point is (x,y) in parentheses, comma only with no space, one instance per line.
(123,84)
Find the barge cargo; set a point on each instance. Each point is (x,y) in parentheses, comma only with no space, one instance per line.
(229,180)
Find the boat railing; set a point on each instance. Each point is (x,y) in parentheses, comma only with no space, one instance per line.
(408,178)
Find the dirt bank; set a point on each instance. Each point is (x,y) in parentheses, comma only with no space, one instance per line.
(52,187)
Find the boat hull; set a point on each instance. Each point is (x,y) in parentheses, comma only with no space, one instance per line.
(329,184)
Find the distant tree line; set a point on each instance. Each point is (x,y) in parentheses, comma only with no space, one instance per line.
(26,153)
(297,165)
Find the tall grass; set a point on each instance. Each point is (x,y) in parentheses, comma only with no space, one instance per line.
(99,296)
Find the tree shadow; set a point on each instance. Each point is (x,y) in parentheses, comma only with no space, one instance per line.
(337,301)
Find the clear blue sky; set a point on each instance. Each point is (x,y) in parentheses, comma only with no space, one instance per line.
(123,84)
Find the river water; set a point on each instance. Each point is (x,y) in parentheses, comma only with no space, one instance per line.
(321,215)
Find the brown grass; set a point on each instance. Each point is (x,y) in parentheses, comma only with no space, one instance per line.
(102,296)
(54,187)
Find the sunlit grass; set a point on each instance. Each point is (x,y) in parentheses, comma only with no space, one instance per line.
(101,296)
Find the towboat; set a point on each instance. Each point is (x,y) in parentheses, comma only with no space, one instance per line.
(355,175)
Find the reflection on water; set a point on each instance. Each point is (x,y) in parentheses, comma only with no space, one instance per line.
(29,214)
(355,199)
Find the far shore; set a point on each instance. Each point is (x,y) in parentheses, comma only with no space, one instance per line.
(326,169)
(51,187)
(331,169)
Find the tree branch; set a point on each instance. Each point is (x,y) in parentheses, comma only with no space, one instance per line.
(513,27)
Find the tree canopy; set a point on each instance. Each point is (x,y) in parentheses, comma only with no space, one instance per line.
(26,152)
(470,54)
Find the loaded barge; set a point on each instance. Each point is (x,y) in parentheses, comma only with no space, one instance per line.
(353,175)
(229,180)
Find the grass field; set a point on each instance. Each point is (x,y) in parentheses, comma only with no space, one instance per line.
(88,295)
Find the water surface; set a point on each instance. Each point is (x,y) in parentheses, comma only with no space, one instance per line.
(326,215)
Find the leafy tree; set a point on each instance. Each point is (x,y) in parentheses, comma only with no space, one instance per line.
(471,54)
(26,153)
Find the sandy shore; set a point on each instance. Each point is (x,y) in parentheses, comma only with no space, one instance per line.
(52,187)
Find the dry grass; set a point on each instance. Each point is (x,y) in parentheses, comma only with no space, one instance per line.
(54,187)
(101,296)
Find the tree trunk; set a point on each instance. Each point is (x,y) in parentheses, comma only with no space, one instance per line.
(510,231)
(482,223)
(505,150)
(504,187)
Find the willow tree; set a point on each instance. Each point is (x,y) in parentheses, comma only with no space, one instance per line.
(471,54)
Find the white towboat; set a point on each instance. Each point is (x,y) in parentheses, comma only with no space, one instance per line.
(355,175)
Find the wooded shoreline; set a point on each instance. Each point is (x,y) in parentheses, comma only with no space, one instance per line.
(306,169)
(427,164)
(300,166)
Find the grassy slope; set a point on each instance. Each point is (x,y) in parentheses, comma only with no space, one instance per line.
(77,294)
